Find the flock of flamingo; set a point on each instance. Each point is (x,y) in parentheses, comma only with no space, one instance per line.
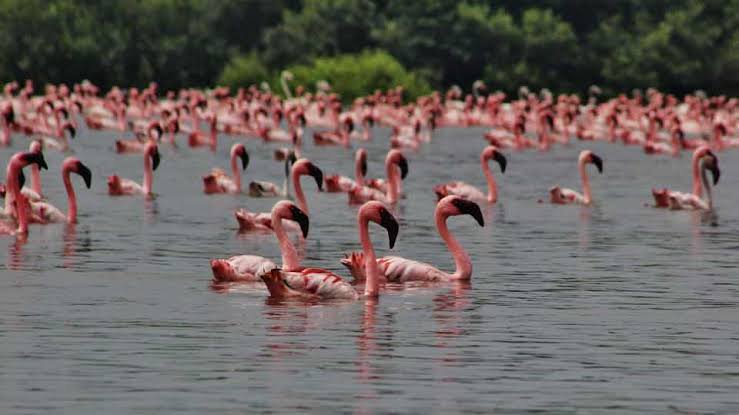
(658,123)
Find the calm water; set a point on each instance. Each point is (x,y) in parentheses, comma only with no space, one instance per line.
(618,308)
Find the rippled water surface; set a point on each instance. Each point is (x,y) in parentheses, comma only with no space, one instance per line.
(618,308)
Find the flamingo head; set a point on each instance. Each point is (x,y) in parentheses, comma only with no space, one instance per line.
(152,150)
(36,146)
(70,129)
(710,162)
(305,167)
(587,156)
(492,153)
(34,157)
(377,212)
(288,210)
(239,150)
(74,165)
(396,157)
(157,129)
(455,206)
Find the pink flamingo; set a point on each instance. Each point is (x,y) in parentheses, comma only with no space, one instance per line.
(249,221)
(399,269)
(243,268)
(703,159)
(34,194)
(259,188)
(336,183)
(219,182)
(361,194)
(51,214)
(126,187)
(320,284)
(7,118)
(338,137)
(470,192)
(136,145)
(564,196)
(15,200)
(200,139)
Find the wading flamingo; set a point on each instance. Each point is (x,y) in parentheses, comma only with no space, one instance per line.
(200,139)
(258,188)
(336,183)
(470,192)
(219,182)
(320,284)
(126,187)
(361,194)
(249,221)
(51,214)
(399,269)
(243,268)
(137,145)
(564,196)
(703,159)
(19,205)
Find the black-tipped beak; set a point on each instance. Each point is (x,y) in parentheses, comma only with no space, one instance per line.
(155,159)
(244,159)
(598,162)
(21,179)
(302,219)
(159,131)
(317,174)
(289,161)
(72,131)
(363,166)
(86,174)
(403,164)
(715,171)
(469,208)
(387,221)
(501,160)
(38,158)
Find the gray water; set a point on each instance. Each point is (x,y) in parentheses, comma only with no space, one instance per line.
(619,308)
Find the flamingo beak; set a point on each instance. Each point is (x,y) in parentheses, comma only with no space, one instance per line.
(301,218)
(244,159)
(712,166)
(469,208)
(86,174)
(403,164)
(501,160)
(21,179)
(363,167)
(36,158)
(155,159)
(387,221)
(598,162)
(289,161)
(317,174)
(72,131)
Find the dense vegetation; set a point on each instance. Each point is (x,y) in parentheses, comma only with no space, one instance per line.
(360,45)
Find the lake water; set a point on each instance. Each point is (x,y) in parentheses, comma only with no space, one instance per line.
(618,308)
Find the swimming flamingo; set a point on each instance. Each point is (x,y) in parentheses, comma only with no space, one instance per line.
(399,269)
(261,221)
(703,159)
(18,204)
(243,268)
(395,158)
(564,196)
(470,192)
(336,183)
(219,182)
(138,144)
(320,284)
(126,187)
(51,214)
(258,188)
(200,139)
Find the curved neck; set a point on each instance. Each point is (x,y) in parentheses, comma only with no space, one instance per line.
(697,188)
(372,285)
(462,261)
(492,186)
(35,179)
(392,181)
(236,171)
(289,255)
(587,195)
(707,185)
(71,197)
(148,173)
(299,195)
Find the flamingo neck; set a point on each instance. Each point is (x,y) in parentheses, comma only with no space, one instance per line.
(586,192)
(707,185)
(358,172)
(697,188)
(392,182)
(213,135)
(15,197)
(148,173)
(462,262)
(372,286)
(71,197)
(299,195)
(289,254)
(492,186)
(35,179)
(236,172)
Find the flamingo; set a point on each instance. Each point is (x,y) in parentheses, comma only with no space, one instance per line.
(200,139)
(34,194)
(51,214)
(243,268)
(219,182)
(360,194)
(136,145)
(320,284)
(470,192)
(398,269)
(336,183)
(564,196)
(703,159)
(258,188)
(16,202)
(126,187)
(261,221)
